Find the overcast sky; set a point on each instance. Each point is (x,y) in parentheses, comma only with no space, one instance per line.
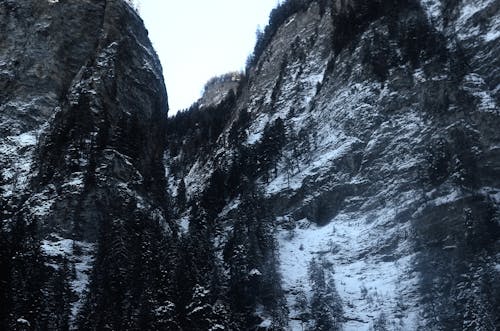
(198,39)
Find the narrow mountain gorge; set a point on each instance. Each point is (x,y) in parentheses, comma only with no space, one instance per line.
(349,179)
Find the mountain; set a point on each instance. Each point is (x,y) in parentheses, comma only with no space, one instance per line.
(348,180)
(83,118)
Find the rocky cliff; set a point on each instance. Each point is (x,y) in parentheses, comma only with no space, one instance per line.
(83,111)
(349,180)
(370,129)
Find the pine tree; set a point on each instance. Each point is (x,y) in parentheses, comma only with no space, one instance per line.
(57,302)
(301,306)
(106,301)
(181,195)
(326,307)
(269,149)
(5,276)
(200,310)
(3,201)
(251,256)
(165,318)
(26,276)
(5,260)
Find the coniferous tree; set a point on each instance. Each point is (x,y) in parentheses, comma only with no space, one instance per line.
(241,299)
(251,256)
(269,149)
(5,276)
(181,195)
(3,200)
(105,305)
(301,306)
(198,276)
(27,272)
(131,286)
(57,302)
(205,314)
(326,306)
(5,260)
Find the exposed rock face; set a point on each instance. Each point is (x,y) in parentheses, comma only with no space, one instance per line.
(351,179)
(218,87)
(83,109)
(75,89)
(390,169)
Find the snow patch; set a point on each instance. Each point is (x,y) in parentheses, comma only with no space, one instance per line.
(23,321)
(466,26)
(255,272)
(83,266)
(62,247)
(492,35)
(494,30)
(17,153)
(184,224)
(475,85)
(265,324)
(451,197)
(471,8)
(433,9)
(370,280)
(80,255)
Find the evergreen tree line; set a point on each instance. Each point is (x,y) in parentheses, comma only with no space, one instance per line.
(228,280)
(146,279)
(195,131)
(33,295)
(237,284)
(350,18)
(277,18)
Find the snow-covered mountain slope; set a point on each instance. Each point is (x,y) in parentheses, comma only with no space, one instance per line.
(389,172)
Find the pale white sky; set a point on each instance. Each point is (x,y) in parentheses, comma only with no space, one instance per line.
(199,39)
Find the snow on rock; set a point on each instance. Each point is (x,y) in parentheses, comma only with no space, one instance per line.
(61,247)
(83,266)
(184,224)
(195,179)
(369,250)
(368,282)
(17,153)
(319,162)
(493,31)
(448,198)
(255,272)
(23,321)
(433,9)
(78,254)
(476,86)
(465,25)
(265,324)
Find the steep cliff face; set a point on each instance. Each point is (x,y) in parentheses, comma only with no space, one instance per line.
(370,127)
(83,112)
(349,180)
